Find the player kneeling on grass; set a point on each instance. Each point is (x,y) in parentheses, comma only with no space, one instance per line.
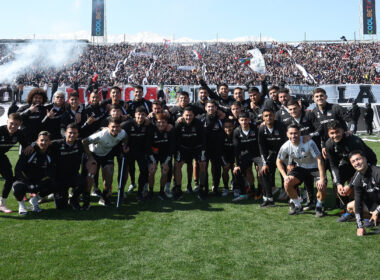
(34,174)
(163,148)
(99,149)
(366,183)
(309,167)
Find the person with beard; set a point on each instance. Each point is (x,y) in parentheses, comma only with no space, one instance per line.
(282,114)
(54,114)
(238,95)
(157,108)
(255,104)
(33,113)
(273,103)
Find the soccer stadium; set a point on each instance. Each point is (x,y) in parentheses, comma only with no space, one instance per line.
(151,157)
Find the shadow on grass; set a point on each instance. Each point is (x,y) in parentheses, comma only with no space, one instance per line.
(130,208)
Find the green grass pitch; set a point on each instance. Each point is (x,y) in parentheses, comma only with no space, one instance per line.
(186,239)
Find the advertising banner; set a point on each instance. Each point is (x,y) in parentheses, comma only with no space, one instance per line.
(97,26)
(369,17)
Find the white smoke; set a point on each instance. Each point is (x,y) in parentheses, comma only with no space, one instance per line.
(39,55)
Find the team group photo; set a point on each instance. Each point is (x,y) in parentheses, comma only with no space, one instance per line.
(155,157)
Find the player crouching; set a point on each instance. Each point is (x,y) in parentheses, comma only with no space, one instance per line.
(309,168)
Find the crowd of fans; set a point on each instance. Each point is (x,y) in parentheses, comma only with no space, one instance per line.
(155,63)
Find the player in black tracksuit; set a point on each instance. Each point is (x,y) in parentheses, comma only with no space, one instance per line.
(338,148)
(224,100)
(325,113)
(74,113)
(95,114)
(140,137)
(176,113)
(214,142)
(115,100)
(33,113)
(55,112)
(9,136)
(228,158)
(190,144)
(305,120)
(35,173)
(139,101)
(162,151)
(271,137)
(246,150)
(67,154)
(366,184)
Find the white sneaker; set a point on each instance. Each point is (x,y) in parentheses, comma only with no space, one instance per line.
(34,202)
(36,209)
(3,206)
(22,208)
(131,188)
(225,192)
(168,193)
(5,209)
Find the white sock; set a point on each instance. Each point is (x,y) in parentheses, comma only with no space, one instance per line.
(270,198)
(34,200)
(264,198)
(21,204)
(2,201)
(296,202)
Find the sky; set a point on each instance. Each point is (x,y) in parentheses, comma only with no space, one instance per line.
(202,20)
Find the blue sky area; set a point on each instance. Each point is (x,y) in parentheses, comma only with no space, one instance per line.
(197,19)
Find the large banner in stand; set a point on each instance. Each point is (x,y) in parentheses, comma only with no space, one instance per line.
(336,93)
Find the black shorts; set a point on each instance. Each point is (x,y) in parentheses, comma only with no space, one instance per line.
(104,160)
(370,205)
(228,160)
(186,155)
(249,159)
(305,175)
(159,159)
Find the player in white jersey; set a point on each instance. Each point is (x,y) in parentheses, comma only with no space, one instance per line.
(309,168)
(99,148)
